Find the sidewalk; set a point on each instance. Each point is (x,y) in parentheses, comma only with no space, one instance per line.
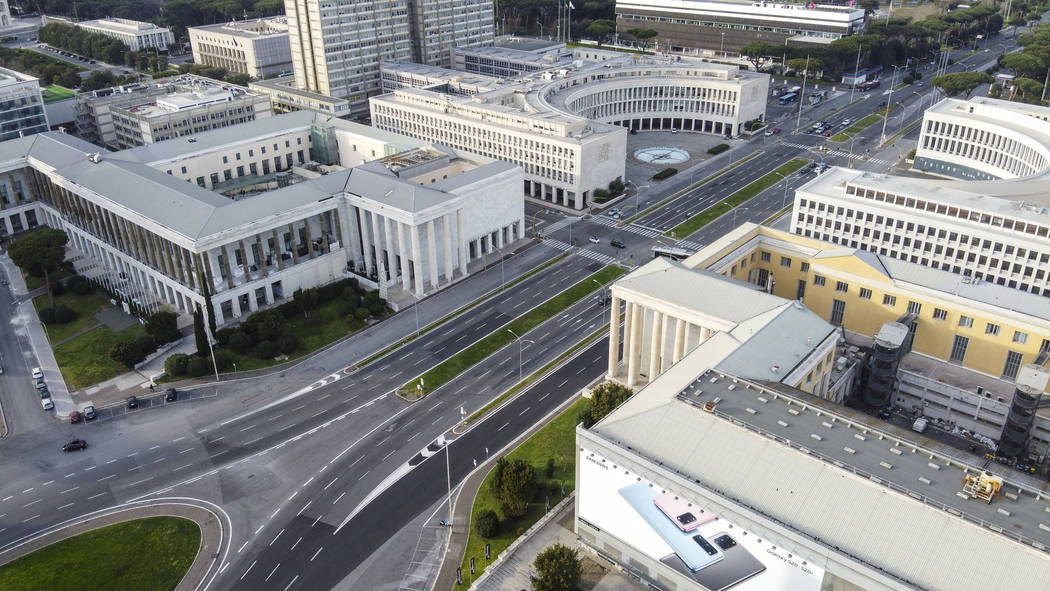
(24,317)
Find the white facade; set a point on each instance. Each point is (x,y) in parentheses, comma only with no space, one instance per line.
(567,128)
(258,47)
(440,27)
(5,14)
(995,230)
(511,56)
(136,35)
(162,223)
(21,105)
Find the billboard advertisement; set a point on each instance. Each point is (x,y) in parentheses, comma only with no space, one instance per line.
(683,534)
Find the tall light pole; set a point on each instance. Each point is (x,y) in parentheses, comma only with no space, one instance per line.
(889,106)
(502,277)
(415,307)
(721,45)
(802,95)
(604,299)
(735,209)
(785,200)
(520,343)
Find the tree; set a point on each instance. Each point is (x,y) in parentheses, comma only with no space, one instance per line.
(305,300)
(600,29)
(1024,63)
(869,6)
(961,82)
(606,397)
(806,66)
(163,326)
(558,568)
(642,35)
(517,487)
(486,523)
(198,332)
(44,250)
(756,51)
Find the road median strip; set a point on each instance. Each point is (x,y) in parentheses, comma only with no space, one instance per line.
(702,182)
(726,205)
(448,369)
(859,126)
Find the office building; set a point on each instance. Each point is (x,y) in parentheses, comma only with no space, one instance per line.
(337,47)
(21,105)
(510,56)
(567,127)
(398,75)
(137,114)
(5,15)
(257,47)
(733,465)
(136,35)
(718,28)
(253,212)
(286,97)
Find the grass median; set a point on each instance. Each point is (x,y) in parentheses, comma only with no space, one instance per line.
(460,362)
(555,441)
(105,559)
(726,205)
(859,126)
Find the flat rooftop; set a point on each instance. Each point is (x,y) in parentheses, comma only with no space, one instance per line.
(249,29)
(899,460)
(529,44)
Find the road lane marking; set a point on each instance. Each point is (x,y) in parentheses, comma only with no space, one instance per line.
(316,553)
(259,530)
(437,420)
(30,518)
(132,454)
(111,461)
(253,441)
(339,498)
(249,568)
(330,483)
(275,512)
(246,542)
(70,475)
(318,413)
(31,503)
(252,426)
(183,466)
(65,506)
(275,537)
(357,460)
(69,490)
(544,396)
(527,409)
(178,439)
(435,406)
(96,496)
(106,477)
(413,437)
(9,498)
(153,448)
(158,460)
(504,425)
(48,482)
(305,507)
(389,454)
(316,520)
(289,585)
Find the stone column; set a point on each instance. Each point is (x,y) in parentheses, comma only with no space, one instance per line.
(388,240)
(377,242)
(432,261)
(416,260)
(634,354)
(614,336)
(705,333)
(656,345)
(278,249)
(462,244)
(667,334)
(446,226)
(226,266)
(406,276)
(679,340)
(295,244)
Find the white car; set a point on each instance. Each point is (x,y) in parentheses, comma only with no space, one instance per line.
(38,374)
(769,133)
(847,121)
(595,240)
(47,404)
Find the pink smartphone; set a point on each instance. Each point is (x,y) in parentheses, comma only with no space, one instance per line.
(684,514)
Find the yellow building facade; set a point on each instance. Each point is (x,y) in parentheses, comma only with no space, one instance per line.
(981,326)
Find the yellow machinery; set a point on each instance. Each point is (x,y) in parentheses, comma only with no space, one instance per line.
(982,486)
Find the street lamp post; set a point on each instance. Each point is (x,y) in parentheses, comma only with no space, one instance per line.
(604,299)
(415,307)
(736,209)
(721,44)
(785,180)
(520,344)
(889,105)
(502,277)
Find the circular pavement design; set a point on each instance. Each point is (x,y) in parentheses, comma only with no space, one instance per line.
(661,155)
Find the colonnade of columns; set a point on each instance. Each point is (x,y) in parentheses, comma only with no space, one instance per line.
(667,339)
(556,195)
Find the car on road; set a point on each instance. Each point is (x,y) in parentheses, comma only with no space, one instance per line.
(89,413)
(41,389)
(827,133)
(47,404)
(920,84)
(847,121)
(603,300)
(38,374)
(882,103)
(133,402)
(171,395)
(674,130)
(617,243)
(594,239)
(769,133)
(75,417)
(777,130)
(1,370)
(75,445)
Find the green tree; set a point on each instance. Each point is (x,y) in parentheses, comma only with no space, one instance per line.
(600,29)
(486,523)
(869,6)
(805,66)
(1024,63)
(558,568)
(606,397)
(199,335)
(305,300)
(42,250)
(516,487)
(756,51)
(961,82)
(642,35)
(163,326)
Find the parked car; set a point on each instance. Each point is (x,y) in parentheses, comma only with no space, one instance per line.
(133,402)
(617,243)
(882,104)
(47,404)
(594,239)
(75,417)
(38,374)
(89,413)
(42,391)
(674,130)
(75,445)
(1,370)
(170,395)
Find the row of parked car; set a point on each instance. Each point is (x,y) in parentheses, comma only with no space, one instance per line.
(65,53)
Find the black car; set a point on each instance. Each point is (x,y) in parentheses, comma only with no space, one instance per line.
(617,243)
(75,445)
(133,402)
(170,395)
(604,300)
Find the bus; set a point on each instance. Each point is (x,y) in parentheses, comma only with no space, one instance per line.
(788,98)
(671,252)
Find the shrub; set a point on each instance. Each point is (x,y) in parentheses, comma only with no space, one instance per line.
(163,326)
(718,149)
(197,366)
(223,335)
(558,568)
(909,79)
(146,345)
(517,487)
(175,365)
(665,173)
(266,350)
(362,314)
(370,298)
(288,343)
(80,285)
(600,195)
(57,315)
(223,360)
(616,186)
(378,309)
(266,325)
(911,155)
(239,342)
(57,288)
(549,472)
(125,353)
(486,524)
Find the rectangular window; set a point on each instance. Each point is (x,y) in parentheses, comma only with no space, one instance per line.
(183,170)
(801,292)
(838,310)
(200,181)
(1012,365)
(1020,337)
(914,308)
(865,293)
(765,257)
(819,280)
(992,329)
(939,314)
(959,349)
(841,286)
(785,262)
(805,267)
(965,322)
(888,300)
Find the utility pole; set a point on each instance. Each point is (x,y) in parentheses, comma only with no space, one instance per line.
(801,98)
(856,70)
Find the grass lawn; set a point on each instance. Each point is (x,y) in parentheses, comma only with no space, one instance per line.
(55,93)
(726,205)
(915,13)
(473,354)
(37,282)
(85,306)
(859,126)
(145,554)
(556,440)
(85,361)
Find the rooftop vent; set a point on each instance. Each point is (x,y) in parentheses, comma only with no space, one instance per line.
(96,157)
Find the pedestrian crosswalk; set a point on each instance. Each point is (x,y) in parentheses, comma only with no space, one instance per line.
(584,252)
(842,154)
(558,225)
(689,245)
(632,228)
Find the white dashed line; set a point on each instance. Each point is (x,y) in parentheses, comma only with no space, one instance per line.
(504,425)
(275,537)
(106,477)
(271,572)
(249,568)
(183,466)
(141,481)
(330,483)
(187,450)
(69,490)
(316,553)
(65,506)
(96,496)
(289,585)
(339,498)
(31,503)
(305,507)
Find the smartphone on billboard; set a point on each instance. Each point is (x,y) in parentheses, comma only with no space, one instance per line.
(687,516)
(737,566)
(695,551)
